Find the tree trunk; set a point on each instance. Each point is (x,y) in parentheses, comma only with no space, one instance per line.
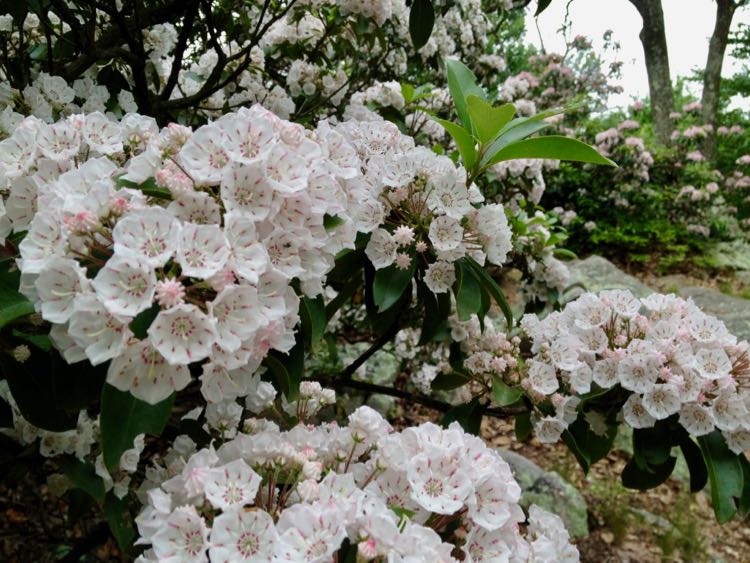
(712,74)
(654,42)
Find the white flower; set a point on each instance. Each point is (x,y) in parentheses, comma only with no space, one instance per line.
(542,377)
(440,276)
(696,419)
(635,413)
(712,363)
(549,429)
(238,535)
(260,395)
(381,249)
(235,311)
(60,141)
(484,545)
(249,258)
(230,485)
(729,410)
(125,285)
(286,169)
(183,538)
(245,188)
(309,533)
(183,334)
(102,335)
(738,441)
(44,240)
(491,506)
(661,401)
(638,373)
(623,303)
(367,424)
(195,207)
(605,373)
(202,251)
(448,195)
(129,458)
(101,134)
(438,485)
(492,225)
(204,156)
(144,372)
(150,233)
(551,542)
(446,233)
(58,285)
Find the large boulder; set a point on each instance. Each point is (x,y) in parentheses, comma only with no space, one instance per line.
(734,254)
(550,491)
(596,274)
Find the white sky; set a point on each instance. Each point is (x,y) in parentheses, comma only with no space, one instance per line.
(689,24)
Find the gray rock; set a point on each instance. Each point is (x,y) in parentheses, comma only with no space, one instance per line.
(596,274)
(734,311)
(734,255)
(549,491)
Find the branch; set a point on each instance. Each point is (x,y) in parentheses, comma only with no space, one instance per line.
(442,406)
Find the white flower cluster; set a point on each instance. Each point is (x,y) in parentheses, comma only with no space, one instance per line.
(271,495)
(428,212)
(246,204)
(670,356)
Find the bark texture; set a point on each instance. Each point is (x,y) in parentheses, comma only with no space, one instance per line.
(654,42)
(712,74)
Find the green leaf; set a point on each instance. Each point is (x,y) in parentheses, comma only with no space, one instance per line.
(449,381)
(120,521)
(13,306)
(461,83)
(517,129)
(287,369)
(123,417)
(148,188)
(464,141)
(504,394)
(541,6)
(331,222)
(587,446)
(421,22)
(82,475)
(523,426)
(139,325)
(468,415)
(724,473)
(744,505)
(487,120)
(652,446)
(468,292)
(437,309)
(407,91)
(696,464)
(390,283)
(564,254)
(639,478)
(313,318)
(491,286)
(554,147)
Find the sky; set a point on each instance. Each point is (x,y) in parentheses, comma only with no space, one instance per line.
(688,23)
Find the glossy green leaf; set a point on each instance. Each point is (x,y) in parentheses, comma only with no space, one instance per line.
(469,416)
(139,325)
(523,427)
(123,417)
(541,5)
(421,22)
(287,369)
(464,141)
(491,286)
(461,83)
(503,393)
(148,188)
(437,308)
(724,474)
(468,292)
(331,222)
(552,147)
(120,521)
(695,462)
(82,475)
(313,319)
(487,120)
(449,381)
(587,446)
(517,129)
(390,283)
(640,478)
